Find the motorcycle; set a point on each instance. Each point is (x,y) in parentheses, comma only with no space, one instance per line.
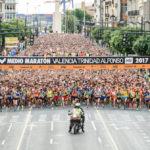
(76,124)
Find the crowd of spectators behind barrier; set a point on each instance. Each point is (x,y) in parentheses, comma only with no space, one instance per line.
(120,88)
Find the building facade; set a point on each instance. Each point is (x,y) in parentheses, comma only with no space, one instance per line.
(147,15)
(110,13)
(2,8)
(135,11)
(99,12)
(10,9)
(40,20)
(139,13)
(90,9)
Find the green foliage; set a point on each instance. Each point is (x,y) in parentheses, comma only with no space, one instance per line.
(97,34)
(70,22)
(107,36)
(142,45)
(116,41)
(77,17)
(79,14)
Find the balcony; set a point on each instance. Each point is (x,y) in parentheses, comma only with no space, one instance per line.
(134,13)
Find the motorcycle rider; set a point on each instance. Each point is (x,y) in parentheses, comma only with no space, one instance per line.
(77,112)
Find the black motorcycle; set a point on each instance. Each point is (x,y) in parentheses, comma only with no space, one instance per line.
(76,126)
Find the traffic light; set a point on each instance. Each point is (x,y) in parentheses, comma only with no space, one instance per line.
(125,39)
(31,39)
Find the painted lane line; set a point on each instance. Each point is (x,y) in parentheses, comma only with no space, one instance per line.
(9,128)
(42,118)
(24,129)
(148,141)
(146,137)
(89,115)
(141,130)
(140,118)
(31,127)
(144,134)
(99,140)
(107,131)
(3,142)
(93,124)
(51,141)
(52,126)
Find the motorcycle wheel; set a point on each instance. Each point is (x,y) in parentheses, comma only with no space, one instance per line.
(76,129)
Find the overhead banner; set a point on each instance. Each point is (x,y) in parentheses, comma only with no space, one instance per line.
(73,60)
(72,63)
(74,67)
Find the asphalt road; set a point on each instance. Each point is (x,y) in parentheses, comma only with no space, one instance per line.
(47,129)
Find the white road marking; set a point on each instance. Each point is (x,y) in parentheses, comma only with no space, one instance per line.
(114,125)
(146,137)
(112,117)
(89,115)
(31,127)
(119,128)
(14,118)
(59,135)
(140,118)
(99,140)
(3,142)
(52,126)
(108,132)
(96,116)
(51,141)
(93,124)
(56,117)
(9,128)
(144,134)
(126,117)
(24,129)
(2,118)
(141,130)
(42,118)
(148,141)
(86,117)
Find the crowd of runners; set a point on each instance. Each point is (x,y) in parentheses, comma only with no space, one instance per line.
(118,89)
(115,88)
(64,45)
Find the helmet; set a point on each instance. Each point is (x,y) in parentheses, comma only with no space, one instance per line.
(77,105)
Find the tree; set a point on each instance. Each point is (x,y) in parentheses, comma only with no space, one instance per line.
(142,45)
(17,25)
(116,41)
(70,22)
(106,36)
(97,34)
(79,14)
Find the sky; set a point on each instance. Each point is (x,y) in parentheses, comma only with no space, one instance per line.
(38,6)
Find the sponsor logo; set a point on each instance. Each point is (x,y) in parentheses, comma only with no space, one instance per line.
(128,60)
(2,61)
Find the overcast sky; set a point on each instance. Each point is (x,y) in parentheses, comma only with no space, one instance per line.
(38,6)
